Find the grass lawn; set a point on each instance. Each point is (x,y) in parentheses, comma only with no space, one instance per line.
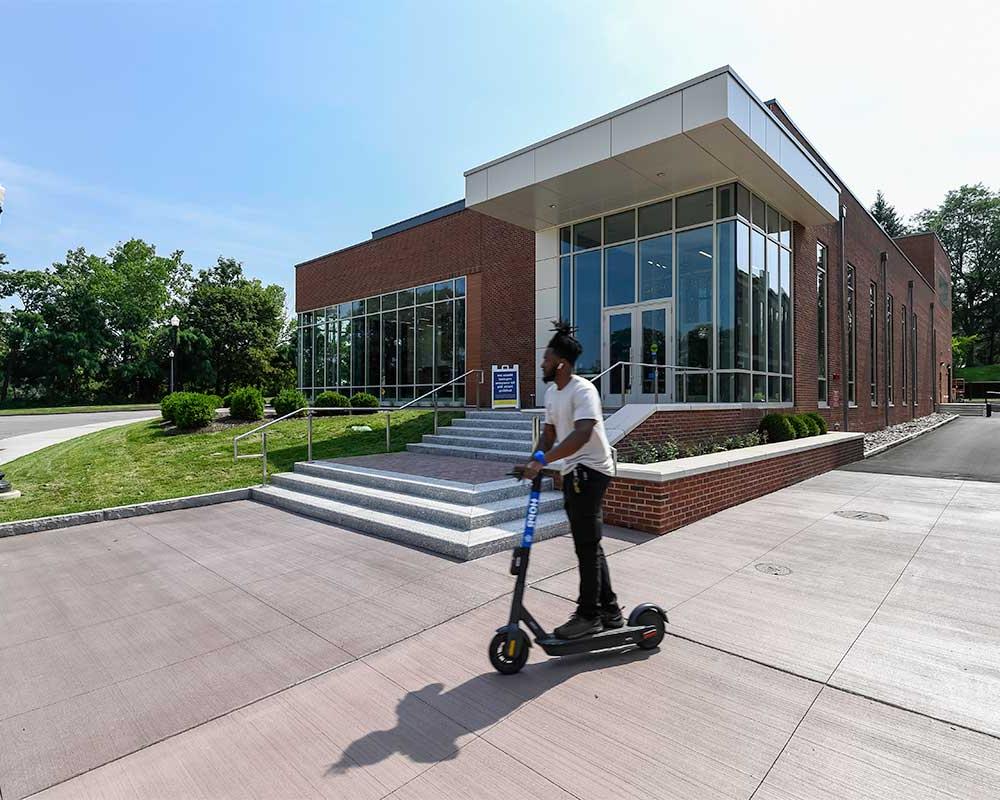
(6,412)
(990,372)
(139,462)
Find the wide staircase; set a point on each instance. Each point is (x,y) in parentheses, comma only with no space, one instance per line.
(463,520)
(492,435)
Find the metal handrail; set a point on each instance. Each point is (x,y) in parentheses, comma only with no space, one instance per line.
(262,430)
(656,397)
(389,411)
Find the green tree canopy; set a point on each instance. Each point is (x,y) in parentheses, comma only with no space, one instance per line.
(968,224)
(887,216)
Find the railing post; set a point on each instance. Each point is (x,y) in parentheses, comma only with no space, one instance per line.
(263,457)
(435,397)
(478,384)
(656,387)
(309,435)
(623,383)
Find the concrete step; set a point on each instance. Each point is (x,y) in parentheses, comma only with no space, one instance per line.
(416,485)
(438,512)
(485,433)
(464,545)
(964,409)
(493,424)
(503,415)
(446,437)
(508,456)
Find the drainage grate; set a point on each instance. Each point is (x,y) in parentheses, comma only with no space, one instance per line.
(772,569)
(864,516)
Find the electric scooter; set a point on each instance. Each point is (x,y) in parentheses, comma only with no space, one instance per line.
(509,648)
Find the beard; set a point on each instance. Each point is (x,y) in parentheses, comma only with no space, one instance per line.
(548,377)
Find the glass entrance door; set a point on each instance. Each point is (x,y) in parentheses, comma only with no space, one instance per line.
(639,336)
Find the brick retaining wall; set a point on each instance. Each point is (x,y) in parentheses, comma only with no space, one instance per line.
(660,507)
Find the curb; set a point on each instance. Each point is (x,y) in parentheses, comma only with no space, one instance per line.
(909,438)
(121,512)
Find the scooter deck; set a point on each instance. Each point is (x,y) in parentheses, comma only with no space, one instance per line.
(618,637)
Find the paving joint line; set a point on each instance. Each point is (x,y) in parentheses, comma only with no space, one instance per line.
(784,747)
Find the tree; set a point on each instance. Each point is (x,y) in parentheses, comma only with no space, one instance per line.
(963,350)
(968,224)
(240,321)
(886,216)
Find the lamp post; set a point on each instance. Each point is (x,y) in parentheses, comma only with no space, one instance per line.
(175,323)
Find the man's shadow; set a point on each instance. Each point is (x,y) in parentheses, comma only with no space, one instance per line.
(472,706)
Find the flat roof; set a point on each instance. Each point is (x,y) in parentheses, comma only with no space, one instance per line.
(420,219)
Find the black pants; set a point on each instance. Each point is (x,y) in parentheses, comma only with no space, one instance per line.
(583,492)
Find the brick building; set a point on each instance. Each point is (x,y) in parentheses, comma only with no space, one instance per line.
(695,237)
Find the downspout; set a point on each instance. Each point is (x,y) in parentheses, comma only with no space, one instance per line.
(843,320)
(884,257)
(911,345)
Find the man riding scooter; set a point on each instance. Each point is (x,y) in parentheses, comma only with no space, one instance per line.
(574,419)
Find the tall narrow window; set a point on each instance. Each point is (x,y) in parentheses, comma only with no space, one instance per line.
(889,354)
(821,334)
(903,340)
(914,396)
(851,337)
(872,343)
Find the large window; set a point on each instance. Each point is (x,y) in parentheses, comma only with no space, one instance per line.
(821,321)
(872,343)
(722,258)
(890,361)
(914,393)
(851,338)
(903,341)
(395,345)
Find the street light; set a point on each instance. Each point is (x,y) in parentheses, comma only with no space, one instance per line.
(175,323)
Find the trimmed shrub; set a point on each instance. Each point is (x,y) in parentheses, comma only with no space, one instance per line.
(227,400)
(216,400)
(287,401)
(820,421)
(246,403)
(331,400)
(364,400)
(652,452)
(800,425)
(168,404)
(811,424)
(777,428)
(193,411)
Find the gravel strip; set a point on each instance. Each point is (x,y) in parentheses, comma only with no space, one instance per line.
(894,433)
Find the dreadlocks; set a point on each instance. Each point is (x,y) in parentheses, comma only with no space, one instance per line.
(563,343)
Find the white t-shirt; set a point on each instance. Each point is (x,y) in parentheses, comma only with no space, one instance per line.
(579,400)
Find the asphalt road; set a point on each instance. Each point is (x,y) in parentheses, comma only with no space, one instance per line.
(18,425)
(968,448)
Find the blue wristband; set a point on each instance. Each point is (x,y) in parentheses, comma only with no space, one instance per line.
(539,456)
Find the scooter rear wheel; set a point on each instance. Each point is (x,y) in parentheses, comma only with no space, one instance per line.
(500,653)
(650,618)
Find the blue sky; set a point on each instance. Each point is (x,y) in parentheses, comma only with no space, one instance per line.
(275,132)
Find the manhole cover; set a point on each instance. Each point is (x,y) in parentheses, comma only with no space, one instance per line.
(772,569)
(864,516)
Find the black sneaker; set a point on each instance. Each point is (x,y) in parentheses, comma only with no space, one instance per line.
(612,618)
(578,626)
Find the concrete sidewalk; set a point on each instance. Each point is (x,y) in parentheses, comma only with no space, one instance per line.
(814,654)
(42,435)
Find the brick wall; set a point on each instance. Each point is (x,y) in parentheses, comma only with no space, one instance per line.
(864,242)
(497,257)
(687,427)
(663,507)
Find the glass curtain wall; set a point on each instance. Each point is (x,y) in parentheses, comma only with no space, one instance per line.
(723,255)
(396,346)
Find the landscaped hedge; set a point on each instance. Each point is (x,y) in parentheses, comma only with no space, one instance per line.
(331,400)
(170,403)
(194,411)
(364,400)
(287,401)
(246,403)
(777,428)
(820,421)
(800,425)
(643,452)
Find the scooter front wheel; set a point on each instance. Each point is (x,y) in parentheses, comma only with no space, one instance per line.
(508,655)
